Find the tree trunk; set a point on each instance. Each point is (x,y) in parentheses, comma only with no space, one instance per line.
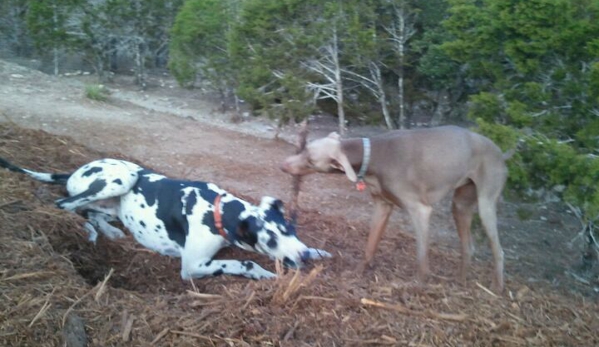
(99,67)
(340,110)
(401,31)
(55,53)
(441,108)
(402,107)
(400,84)
(385,109)
(375,72)
(590,256)
(139,66)
(223,103)
(54,48)
(339,84)
(236,97)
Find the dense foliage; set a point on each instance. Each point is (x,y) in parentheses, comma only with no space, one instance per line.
(534,70)
(101,32)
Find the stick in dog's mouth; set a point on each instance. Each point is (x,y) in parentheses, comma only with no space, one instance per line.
(297,179)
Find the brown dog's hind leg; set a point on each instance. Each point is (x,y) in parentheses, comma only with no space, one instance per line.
(488,215)
(463,206)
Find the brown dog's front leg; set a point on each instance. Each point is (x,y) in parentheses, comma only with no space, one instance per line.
(420,214)
(382,211)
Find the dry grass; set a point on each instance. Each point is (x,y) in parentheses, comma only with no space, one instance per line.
(50,276)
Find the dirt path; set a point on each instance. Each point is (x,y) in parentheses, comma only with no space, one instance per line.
(177,132)
(191,141)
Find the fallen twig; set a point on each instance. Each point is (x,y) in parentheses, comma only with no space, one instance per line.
(127,326)
(27,275)
(64,317)
(402,309)
(249,300)
(487,290)
(204,296)
(43,310)
(102,288)
(99,287)
(10,203)
(289,333)
(159,336)
(185,333)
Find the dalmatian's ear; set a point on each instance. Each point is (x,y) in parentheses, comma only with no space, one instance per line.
(268,203)
(243,233)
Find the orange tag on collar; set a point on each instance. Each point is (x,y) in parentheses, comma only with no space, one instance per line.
(360,186)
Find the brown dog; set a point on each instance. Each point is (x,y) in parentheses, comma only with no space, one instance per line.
(414,169)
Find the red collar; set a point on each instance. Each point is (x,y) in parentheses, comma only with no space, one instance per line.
(218,218)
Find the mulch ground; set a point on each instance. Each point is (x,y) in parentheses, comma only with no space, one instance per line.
(56,287)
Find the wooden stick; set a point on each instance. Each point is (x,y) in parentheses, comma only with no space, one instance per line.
(297,179)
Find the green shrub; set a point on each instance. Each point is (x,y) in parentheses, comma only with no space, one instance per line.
(524,213)
(545,163)
(507,139)
(96,92)
(518,114)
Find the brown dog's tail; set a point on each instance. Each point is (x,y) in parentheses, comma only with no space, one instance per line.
(52,178)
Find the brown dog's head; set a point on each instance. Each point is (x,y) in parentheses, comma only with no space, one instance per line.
(322,155)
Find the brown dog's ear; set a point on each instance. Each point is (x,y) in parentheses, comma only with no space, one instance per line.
(341,158)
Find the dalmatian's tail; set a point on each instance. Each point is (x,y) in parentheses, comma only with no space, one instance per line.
(40,176)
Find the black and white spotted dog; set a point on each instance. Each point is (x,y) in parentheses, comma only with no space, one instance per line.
(188,219)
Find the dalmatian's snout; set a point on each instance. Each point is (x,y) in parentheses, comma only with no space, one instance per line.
(303,257)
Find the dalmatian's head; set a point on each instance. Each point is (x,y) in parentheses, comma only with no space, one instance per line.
(263,229)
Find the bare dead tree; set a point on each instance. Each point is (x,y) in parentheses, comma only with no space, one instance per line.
(14,28)
(328,67)
(400,31)
(374,84)
(590,256)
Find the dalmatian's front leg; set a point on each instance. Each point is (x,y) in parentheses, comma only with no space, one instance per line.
(202,246)
(211,267)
